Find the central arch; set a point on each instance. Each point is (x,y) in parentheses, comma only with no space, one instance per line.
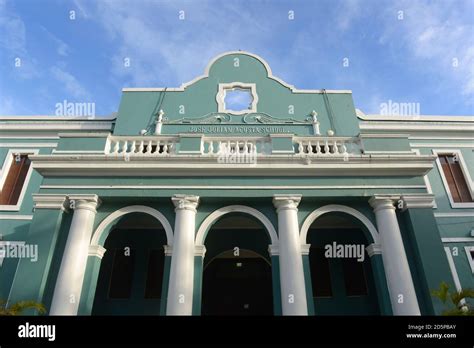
(217,214)
(238,273)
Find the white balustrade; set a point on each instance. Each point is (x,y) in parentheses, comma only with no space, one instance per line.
(141,146)
(215,146)
(326,146)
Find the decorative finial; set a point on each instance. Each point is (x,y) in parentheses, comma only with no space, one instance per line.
(159,122)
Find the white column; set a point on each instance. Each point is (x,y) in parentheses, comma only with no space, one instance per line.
(293,291)
(180,290)
(397,270)
(67,292)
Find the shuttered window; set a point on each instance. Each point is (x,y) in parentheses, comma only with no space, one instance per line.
(455,178)
(15,179)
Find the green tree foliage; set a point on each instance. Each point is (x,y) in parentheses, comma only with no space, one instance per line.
(18,307)
(454,300)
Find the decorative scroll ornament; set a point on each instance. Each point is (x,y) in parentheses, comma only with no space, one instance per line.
(265,119)
(212,118)
(250,118)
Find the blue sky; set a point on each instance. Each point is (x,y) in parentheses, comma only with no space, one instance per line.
(409,51)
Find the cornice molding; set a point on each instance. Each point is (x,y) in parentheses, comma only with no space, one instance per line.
(292,165)
(50,201)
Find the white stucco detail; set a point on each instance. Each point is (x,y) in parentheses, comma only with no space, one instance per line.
(331,208)
(67,292)
(215,215)
(181,283)
(399,279)
(133,209)
(292,282)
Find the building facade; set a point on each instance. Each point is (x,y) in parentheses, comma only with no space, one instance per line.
(239,194)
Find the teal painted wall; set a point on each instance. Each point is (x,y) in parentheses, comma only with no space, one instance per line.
(23,279)
(138,109)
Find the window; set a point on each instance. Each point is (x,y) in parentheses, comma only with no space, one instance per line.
(455,179)
(470,256)
(14,178)
(320,274)
(238,99)
(354,277)
(154,279)
(122,274)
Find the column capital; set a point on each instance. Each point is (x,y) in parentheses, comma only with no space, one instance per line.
(285,202)
(273,250)
(168,250)
(97,251)
(374,249)
(379,202)
(50,201)
(305,248)
(199,250)
(188,202)
(417,201)
(84,201)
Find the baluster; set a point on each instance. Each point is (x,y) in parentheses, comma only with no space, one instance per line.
(335,149)
(141,147)
(326,148)
(211,148)
(343,148)
(133,147)
(125,147)
(165,148)
(148,147)
(116,147)
(300,147)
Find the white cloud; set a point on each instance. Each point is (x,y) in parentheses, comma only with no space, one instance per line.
(13,43)
(161,48)
(439,38)
(81,9)
(70,83)
(61,47)
(348,12)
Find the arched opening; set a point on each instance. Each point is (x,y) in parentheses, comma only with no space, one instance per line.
(237,272)
(131,275)
(342,278)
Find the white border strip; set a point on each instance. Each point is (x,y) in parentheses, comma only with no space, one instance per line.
(434,145)
(452,267)
(451,215)
(16,217)
(458,240)
(78,151)
(28,145)
(219,187)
